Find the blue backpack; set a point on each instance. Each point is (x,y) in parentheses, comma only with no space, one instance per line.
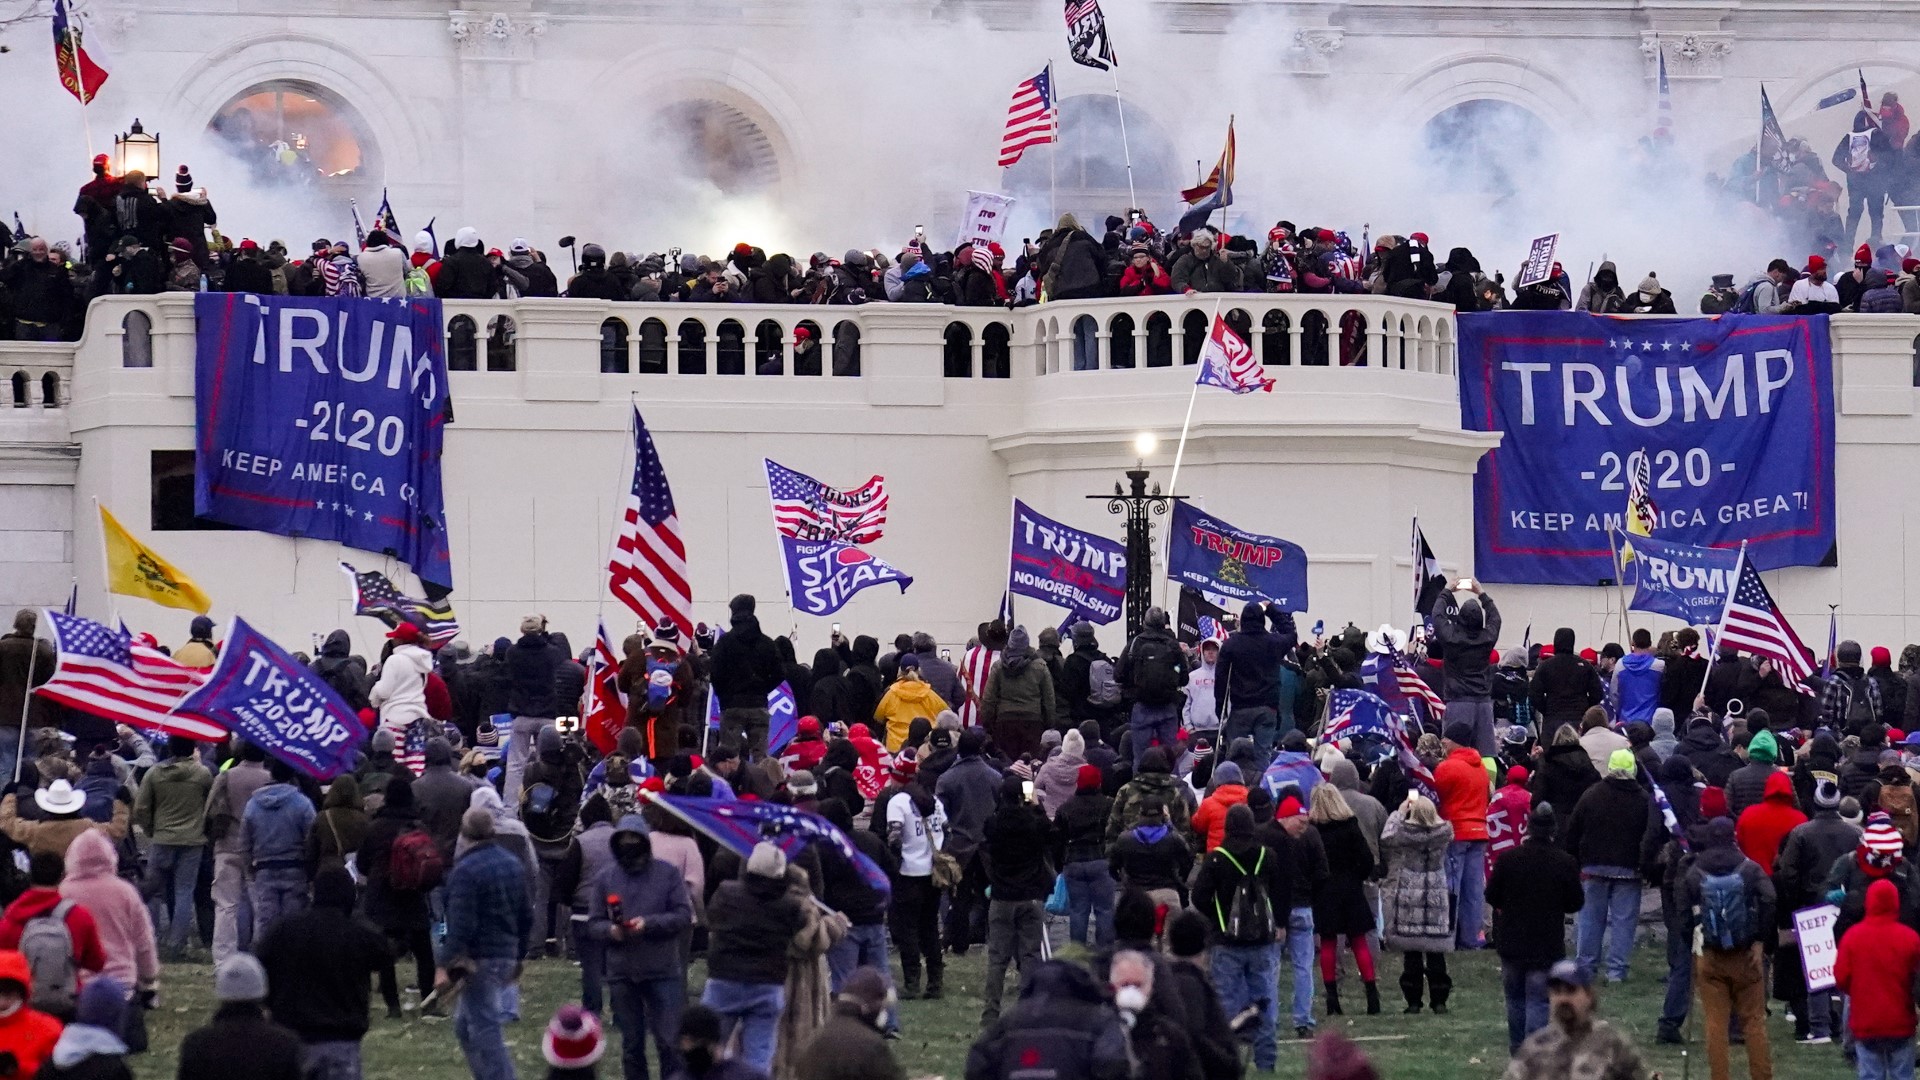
(1726,911)
(660,683)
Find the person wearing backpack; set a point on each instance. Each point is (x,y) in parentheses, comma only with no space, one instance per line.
(549,804)
(58,937)
(1731,901)
(1892,792)
(1153,670)
(397,902)
(120,918)
(1241,890)
(1851,701)
(1085,700)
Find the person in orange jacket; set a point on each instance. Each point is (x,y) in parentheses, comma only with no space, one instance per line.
(27,1035)
(1229,791)
(1465,790)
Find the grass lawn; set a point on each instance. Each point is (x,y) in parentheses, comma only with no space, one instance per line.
(1468,1042)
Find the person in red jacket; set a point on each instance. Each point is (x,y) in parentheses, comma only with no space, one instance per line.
(41,898)
(1465,791)
(1144,276)
(27,1035)
(1764,826)
(1878,962)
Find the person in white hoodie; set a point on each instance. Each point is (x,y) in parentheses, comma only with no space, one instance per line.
(1201,714)
(401,692)
(383,266)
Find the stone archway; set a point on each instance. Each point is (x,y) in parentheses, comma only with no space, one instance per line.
(1486,145)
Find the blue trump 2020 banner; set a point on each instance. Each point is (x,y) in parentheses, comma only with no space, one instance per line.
(1681,580)
(1732,416)
(324,418)
(1084,573)
(822,575)
(260,692)
(1207,553)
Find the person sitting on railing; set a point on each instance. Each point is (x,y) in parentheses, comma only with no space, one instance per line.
(1144,276)
(1204,269)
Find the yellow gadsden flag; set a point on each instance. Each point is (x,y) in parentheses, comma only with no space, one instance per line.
(134,570)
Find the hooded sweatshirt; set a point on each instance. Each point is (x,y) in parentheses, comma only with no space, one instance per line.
(171,805)
(401,693)
(1664,740)
(746,666)
(1247,675)
(1878,962)
(907,700)
(1056,781)
(277,819)
(29,1034)
(1637,684)
(1762,828)
(1020,687)
(648,890)
(119,914)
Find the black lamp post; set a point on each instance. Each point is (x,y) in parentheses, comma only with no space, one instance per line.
(1140,506)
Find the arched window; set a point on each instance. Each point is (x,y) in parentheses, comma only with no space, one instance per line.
(1313,338)
(730,348)
(1486,147)
(996,351)
(1353,339)
(22,384)
(1086,173)
(1194,326)
(716,144)
(136,340)
(50,389)
(1159,340)
(846,348)
(1120,341)
(462,352)
(653,347)
(806,348)
(298,135)
(1086,344)
(693,347)
(613,347)
(503,345)
(1240,323)
(957,359)
(766,348)
(1276,346)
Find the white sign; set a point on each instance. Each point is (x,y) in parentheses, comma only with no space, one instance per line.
(986,219)
(1818,951)
(1539,264)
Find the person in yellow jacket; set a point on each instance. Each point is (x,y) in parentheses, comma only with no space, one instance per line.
(907,698)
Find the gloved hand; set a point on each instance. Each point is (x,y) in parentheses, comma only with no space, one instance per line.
(1836,896)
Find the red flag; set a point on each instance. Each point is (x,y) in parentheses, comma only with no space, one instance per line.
(606,711)
(82,70)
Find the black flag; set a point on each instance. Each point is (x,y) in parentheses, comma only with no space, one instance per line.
(1087,35)
(1428,581)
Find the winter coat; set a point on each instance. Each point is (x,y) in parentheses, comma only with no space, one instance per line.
(1464,793)
(401,692)
(1340,904)
(1366,809)
(56,834)
(1227,865)
(119,912)
(18,652)
(341,826)
(1708,753)
(226,805)
(1150,857)
(1600,743)
(384,269)
(1076,265)
(441,796)
(1564,687)
(1413,895)
(1247,675)
(906,701)
(89,956)
(1210,820)
(397,911)
(1762,828)
(1056,781)
(1532,890)
(1017,846)
(1062,1028)
(319,962)
(1602,295)
(746,666)
(277,819)
(650,889)
(751,920)
(1718,856)
(967,791)
(87,1052)
(1877,967)
(1214,274)
(1019,690)
(338,668)
(1609,824)
(240,1044)
(1467,641)
(847,1047)
(489,905)
(1748,785)
(1800,870)
(171,805)
(465,274)
(1600,1051)
(1636,681)
(1729,679)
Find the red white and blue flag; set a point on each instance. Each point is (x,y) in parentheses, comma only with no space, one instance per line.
(739,825)
(1663,106)
(106,673)
(1229,363)
(1033,119)
(648,571)
(81,63)
(605,711)
(806,509)
(1753,623)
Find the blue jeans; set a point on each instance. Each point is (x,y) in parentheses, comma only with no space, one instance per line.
(1150,724)
(1526,1002)
(478,1017)
(1467,881)
(1261,723)
(1820,1014)
(1090,898)
(172,871)
(1245,975)
(9,749)
(646,1006)
(864,946)
(1673,1013)
(1302,952)
(1612,905)
(333,1060)
(1884,1059)
(277,892)
(754,1008)
(593,966)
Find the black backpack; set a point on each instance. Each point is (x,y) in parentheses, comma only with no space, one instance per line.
(1159,670)
(1860,710)
(1248,918)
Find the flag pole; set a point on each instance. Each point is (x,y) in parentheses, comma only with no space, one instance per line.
(106,570)
(80,91)
(1179,455)
(26,699)
(1125,148)
(1053,151)
(1620,582)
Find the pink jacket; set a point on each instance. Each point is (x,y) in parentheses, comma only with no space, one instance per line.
(126,931)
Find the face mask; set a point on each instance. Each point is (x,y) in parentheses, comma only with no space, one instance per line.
(699,1059)
(1130,999)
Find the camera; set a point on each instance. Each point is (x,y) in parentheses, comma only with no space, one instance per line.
(567,726)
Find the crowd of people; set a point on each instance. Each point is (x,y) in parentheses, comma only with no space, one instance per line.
(142,239)
(1875,166)
(1190,811)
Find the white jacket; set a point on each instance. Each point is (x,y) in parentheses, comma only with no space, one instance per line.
(384,270)
(401,693)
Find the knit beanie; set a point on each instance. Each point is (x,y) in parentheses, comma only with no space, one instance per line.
(572,1040)
(183,180)
(1087,778)
(1880,844)
(767,861)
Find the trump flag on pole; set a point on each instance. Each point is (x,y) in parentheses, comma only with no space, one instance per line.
(264,695)
(1229,363)
(822,575)
(1681,580)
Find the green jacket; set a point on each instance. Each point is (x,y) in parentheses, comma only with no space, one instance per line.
(172,802)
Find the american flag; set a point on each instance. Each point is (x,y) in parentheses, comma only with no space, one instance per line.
(806,509)
(106,673)
(1356,712)
(1229,363)
(1032,119)
(975,668)
(1663,106)
(1753,623)
(648,572)
(410,744)
(375,596)
(1209,628)
(741,825)
(605,710)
